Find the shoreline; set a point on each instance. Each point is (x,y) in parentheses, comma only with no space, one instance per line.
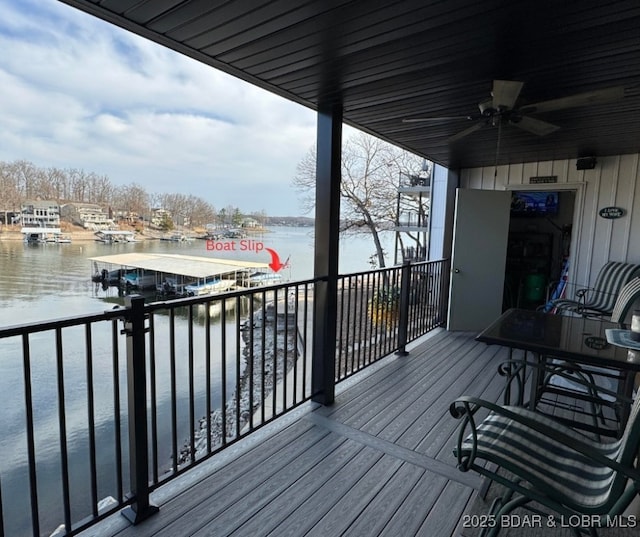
(13,233)
(77,235)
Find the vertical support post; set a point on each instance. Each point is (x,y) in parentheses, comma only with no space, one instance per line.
(328,168)
(134,328)
(403,321)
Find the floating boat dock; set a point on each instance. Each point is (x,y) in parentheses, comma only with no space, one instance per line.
(179,275)
(44,235)
(115,236)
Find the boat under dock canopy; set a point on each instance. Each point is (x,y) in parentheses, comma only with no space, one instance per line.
(178,273)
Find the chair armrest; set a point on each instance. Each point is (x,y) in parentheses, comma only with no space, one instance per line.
(466,407)
(581,293)
(571,288)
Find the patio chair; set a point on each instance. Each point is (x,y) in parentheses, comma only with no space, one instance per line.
(627,297)
(594,384)
(600,299)
(545,465)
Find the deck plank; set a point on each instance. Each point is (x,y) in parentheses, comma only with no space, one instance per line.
(376,462)
(409,382)
(327,495)
(376,514)
(410,516)
(225,486)
(245,502)
(452,501)
(283,506)
(424,408)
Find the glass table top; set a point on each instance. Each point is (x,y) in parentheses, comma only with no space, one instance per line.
(575,338)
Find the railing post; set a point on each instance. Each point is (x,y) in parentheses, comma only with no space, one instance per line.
(403,321)
(134,328)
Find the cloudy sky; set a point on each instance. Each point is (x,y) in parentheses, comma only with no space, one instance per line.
(78,93)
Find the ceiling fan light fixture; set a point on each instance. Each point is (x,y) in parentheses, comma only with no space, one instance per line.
(486,108)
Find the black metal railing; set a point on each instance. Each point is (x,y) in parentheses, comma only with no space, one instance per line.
(428,297)
(380,311)
(67,374)
(108,407)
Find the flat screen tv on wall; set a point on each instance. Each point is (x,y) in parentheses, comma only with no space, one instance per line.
(534,203)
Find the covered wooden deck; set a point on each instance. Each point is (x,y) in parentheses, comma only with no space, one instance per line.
(377,462)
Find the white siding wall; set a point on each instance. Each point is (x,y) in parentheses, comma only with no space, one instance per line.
(613,182)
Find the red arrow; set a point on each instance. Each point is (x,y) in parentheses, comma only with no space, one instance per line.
(275,260)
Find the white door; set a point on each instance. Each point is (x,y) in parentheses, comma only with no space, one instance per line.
(481,229)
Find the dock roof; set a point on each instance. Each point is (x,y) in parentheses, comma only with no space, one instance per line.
(185,265)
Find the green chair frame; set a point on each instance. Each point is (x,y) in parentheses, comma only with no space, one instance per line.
(547,463)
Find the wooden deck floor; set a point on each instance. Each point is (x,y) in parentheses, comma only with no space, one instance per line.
(377,462)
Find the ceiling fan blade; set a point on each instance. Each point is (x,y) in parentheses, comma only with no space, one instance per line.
(505,93)
(602,96)
(535,126)
(466,132)
(428,119)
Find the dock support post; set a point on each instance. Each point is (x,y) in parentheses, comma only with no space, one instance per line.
(134,328)
(327,234)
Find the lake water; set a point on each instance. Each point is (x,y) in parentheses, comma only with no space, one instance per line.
(51,281)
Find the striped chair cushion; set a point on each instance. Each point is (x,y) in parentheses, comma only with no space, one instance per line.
(602,297)
(626,298)
(554,468)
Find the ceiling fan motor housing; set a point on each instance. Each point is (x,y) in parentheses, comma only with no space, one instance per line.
(486,108)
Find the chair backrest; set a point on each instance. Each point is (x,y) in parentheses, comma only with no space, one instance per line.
(612,276)
(627,296)
(627,450)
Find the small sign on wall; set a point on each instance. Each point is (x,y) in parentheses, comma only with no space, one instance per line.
(611,213)
(543,179)
(596,343)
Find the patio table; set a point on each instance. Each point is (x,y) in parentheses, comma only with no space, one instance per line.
(576,340)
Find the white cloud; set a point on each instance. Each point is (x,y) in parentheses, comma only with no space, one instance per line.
(77,92)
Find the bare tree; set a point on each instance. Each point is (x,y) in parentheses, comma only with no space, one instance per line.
(77,185)
(100,189)
(132,198)
(369,185)
(9,194)
(200,212)
(58,183)
(25,175)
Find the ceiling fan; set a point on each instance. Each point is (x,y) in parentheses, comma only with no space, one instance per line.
(501,109)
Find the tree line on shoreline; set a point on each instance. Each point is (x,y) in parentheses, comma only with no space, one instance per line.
(21,181)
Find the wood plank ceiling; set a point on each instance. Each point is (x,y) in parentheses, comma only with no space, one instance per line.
(387,60)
